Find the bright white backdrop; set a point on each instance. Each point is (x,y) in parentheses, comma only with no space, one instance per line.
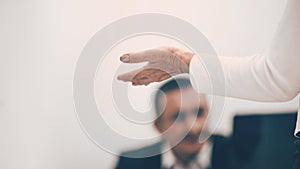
(41,41)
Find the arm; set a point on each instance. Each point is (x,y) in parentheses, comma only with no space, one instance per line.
(272,76)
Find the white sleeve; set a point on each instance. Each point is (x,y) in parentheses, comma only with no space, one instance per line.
(272,76)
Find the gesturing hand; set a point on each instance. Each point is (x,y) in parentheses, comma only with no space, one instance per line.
(163,63)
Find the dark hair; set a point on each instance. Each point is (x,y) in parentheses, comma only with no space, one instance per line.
(173,84)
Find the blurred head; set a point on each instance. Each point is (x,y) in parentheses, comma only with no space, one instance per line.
(181,114)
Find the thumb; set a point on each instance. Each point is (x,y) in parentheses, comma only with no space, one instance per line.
(151,55)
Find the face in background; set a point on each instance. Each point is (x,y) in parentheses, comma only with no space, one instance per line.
(185,113)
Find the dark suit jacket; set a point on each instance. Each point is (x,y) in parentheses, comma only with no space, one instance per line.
(219,156)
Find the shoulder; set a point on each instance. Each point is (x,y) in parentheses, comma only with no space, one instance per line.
(145,157)
(146,151)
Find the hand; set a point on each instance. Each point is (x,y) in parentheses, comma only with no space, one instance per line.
(163,63)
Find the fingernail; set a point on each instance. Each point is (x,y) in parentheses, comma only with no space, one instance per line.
(125,58)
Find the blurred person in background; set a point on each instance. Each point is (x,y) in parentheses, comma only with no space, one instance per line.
(181,116)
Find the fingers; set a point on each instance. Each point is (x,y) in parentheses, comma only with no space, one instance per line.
(167,76)
(144,76)
(128,77)
(151,55)
(142,81)
(153,75)
(147,81)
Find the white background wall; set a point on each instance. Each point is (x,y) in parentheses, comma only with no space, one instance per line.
(40,44)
